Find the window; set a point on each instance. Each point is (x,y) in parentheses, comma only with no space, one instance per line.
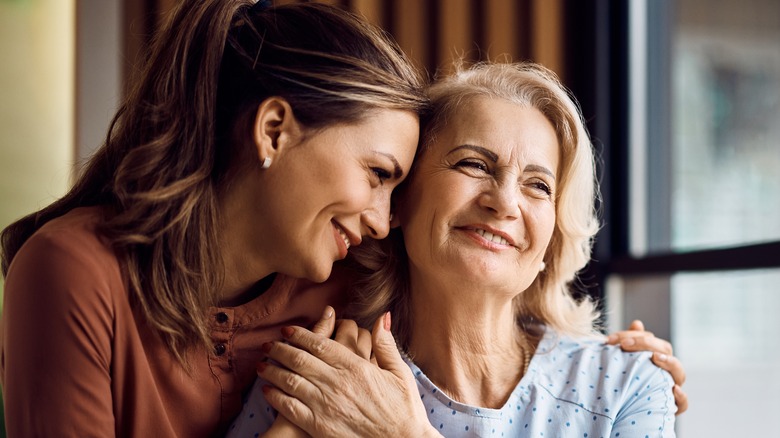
(699,254)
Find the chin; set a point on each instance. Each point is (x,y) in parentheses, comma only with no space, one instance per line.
(319,274)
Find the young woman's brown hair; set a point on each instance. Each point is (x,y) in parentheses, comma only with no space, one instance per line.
(182,131)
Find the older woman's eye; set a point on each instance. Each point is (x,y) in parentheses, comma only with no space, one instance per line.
(542,186)
(473,164)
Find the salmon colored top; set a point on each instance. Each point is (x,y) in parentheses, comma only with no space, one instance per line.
(78,360)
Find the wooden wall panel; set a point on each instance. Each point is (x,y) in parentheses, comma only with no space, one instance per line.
(411,27)
(456,34)
(503,31)
(370,9)
(548,34)
(432,32)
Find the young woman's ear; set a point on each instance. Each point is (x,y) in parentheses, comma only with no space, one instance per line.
(275,129)
(394,222)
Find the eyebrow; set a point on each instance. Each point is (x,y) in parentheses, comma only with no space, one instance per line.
(479,149)
(397,171)
(494,158)
(541,169)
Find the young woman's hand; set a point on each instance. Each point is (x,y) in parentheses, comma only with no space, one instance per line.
(637,339)
(328,390)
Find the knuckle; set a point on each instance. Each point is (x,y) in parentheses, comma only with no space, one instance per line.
(319,347)
(287,406)
(291,382)
(298,361)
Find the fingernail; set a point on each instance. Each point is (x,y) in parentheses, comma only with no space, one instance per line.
(661,357)
(261,367)
(611,339)
(628,342)
(266,388)
(388,321)
(287,331)
(267,347)
(327,313)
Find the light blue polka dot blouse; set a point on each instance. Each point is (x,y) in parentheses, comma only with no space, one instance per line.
(573,388)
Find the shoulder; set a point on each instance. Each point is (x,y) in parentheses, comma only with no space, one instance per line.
(66,259)
(599,377)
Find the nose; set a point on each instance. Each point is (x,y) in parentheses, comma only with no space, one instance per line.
(376,219)
(502,199)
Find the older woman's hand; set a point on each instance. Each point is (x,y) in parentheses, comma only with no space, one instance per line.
(328,390)
(637,339)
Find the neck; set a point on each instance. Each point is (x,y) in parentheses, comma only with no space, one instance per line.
(244,265)
(479,352)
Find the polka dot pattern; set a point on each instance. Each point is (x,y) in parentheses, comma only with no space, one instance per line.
(573,388)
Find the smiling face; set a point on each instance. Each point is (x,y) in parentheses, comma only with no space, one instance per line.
(480,206)
(333,186)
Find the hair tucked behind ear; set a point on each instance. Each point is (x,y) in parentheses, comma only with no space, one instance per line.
(182,130)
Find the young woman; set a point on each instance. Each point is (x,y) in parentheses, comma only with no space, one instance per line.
(496,219)
(258,146)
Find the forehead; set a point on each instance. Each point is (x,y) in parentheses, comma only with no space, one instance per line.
(389,131)
(503,126)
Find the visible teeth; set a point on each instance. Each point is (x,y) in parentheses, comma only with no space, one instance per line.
(492,237)
(344,236)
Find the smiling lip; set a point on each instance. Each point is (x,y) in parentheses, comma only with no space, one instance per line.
(344,239)
(489,236)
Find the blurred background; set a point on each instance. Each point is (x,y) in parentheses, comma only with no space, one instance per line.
(682,99)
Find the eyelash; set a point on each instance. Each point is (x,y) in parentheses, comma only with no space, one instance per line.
(474,164)
(542,186)
(382,174)
(480,165)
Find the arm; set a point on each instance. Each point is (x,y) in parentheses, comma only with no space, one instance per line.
(330,391)
(637,339)
(649,406)
(57,332)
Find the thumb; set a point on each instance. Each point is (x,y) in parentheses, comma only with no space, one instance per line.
(637,325)
(385,348)
(326,324)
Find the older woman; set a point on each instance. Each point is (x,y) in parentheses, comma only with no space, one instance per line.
(495,221)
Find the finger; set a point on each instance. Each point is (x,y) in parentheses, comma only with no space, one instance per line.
(357,339)
(326,324)
(365,349)
(646,343)
(287,381)
(347,334)
(680,399)
(290,407)
(328,352)
(385,348)
(671,364)
(295,360)
(617,337)
(636,325)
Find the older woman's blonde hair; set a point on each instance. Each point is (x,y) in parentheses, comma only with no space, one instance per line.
(383,280)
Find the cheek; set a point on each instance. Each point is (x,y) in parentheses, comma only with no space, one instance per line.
(358,194)
(546,225)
